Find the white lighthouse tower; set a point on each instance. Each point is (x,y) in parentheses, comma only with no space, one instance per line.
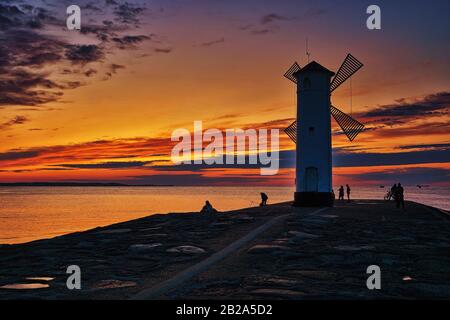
(313,156)
(312,129)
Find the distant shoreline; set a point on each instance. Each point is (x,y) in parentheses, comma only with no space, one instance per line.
(78,184)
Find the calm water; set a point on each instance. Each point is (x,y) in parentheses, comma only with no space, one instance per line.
(30,213)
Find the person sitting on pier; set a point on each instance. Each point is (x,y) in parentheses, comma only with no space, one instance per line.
(348,192)
(341,193)
(208,208)
(264,199)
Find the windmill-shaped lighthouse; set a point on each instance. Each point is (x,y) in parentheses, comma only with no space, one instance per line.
(312,129)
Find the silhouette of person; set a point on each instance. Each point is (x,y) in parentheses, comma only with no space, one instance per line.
(264,199)
(333,194)
(393,190)
(348,192)
(341,193)
(399,196)
(208,208)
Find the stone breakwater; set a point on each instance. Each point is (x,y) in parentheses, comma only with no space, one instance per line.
(302,256)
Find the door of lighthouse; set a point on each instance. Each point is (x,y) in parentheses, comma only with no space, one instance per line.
(311,179)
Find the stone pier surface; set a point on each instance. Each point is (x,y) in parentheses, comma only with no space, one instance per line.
(273,252)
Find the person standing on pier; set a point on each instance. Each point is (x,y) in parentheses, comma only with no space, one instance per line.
(393,190)
(348,192)
(399,196)
(264,199)
(341,193)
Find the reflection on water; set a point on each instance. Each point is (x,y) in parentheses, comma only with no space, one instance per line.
(30,213)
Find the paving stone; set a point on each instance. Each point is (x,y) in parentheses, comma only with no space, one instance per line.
(114,231)
(282,293)
(85,244)
(143,247)
(303,235)
(113,284)
(186,249)
(314,274)
(266,248)
(354,248)
(438,290)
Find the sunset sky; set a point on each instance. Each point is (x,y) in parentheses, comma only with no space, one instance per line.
(101,104)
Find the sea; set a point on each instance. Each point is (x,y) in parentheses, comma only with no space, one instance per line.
(32,213)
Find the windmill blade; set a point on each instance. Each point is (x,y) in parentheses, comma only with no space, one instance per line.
(350,126)
(290,73)
(291,131)
(347,69)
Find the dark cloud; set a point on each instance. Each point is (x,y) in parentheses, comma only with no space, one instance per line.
(128,42)
(20,87)
(90,72)
(113,70)
(261,31)
(267,24)
(14,121)
(163,50)
(445,146)
(23,15)
(128,13)
(213,42)
(93,151)
(314,12)
(114,67)
(349,159)
(190,179)
(433,104)
(101,32)
(27,47)
(22,51)
(426,128)
(18,155)
(84,54)
(268,18)
(42,58)
(105,165)
(407,176)
(90,6)
(201,167)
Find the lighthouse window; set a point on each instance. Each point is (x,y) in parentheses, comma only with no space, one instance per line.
(307,83)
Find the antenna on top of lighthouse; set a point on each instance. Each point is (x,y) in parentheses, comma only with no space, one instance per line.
(308,54)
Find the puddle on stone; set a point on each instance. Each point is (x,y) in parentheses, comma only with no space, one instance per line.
(22,286)
(40,278)
(329,216)
(113,284)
